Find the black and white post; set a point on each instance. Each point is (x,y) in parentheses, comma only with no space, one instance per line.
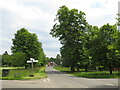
(32,60)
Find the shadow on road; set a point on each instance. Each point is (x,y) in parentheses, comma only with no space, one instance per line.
(107,87)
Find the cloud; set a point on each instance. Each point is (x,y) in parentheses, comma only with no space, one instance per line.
(97,5)
(5,45)
(51,53)
(52,45)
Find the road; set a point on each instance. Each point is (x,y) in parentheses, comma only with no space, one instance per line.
(57,79)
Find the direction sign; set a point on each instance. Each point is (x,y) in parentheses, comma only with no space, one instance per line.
(32,60)
(35,60)
(29,61)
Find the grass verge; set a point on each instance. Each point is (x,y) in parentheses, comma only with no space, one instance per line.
(11,68)
(90,74)
(24,74)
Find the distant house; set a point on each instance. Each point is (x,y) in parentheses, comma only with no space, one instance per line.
(52,64)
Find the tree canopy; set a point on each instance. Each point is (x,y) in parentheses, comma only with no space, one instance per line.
(84,45)
(26,42)
(70,29)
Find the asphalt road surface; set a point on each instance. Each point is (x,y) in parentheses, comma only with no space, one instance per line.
(57,79)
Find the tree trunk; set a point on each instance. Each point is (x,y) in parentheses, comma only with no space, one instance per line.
(100,69)
(78,69)
(86,69)
(110,69)
(72,69)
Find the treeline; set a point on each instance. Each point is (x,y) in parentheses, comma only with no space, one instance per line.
(25,46)
(84,45)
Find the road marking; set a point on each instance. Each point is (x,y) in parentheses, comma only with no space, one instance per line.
(46,80)
(110,84)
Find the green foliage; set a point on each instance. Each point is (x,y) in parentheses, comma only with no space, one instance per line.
(7,59)
(69,29)
(42,57)
(19,59)
(90,74)
(103,48)
(118,23)
(117,43)
(98,74)
(16,59)
(1,60)
(25,74)
(11,68)
(84,45)
(28,43)
(58,59)
(62,69)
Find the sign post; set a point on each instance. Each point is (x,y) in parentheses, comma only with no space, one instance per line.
(32,65)
(32,60)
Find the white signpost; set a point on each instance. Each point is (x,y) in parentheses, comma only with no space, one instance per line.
(31,61)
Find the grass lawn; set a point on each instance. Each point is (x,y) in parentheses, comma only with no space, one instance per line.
(11,68)
(90,74)
(25,74)
(62,69)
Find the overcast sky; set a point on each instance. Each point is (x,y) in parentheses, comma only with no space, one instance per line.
(37,16)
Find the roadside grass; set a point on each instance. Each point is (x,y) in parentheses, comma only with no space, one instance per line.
(62,69)
(90,74)
(97,74)
(65,69)
(11,68)
(24,74)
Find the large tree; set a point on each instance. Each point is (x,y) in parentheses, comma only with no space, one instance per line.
(89,33)
(118,35)
(102,48)
(26,42)
(69,29)
(118,19)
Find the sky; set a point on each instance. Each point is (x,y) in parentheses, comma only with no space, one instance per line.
(37,16)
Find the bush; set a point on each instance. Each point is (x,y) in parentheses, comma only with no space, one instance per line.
(19,59)
(16,59)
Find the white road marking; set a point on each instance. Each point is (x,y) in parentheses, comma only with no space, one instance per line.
(110,84)
(46,80)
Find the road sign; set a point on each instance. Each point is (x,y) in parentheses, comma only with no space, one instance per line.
(31,61)
(35,60)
